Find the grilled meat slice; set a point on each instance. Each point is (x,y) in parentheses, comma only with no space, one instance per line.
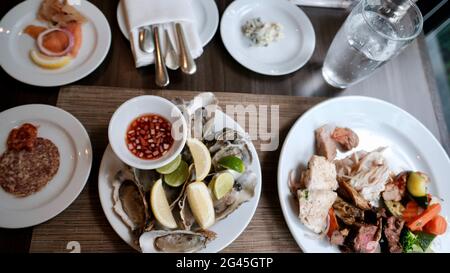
(392,232)
(348,192)
(347,213)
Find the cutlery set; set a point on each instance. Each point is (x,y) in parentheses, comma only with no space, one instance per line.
(150,42)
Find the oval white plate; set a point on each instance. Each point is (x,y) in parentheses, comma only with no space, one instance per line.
(16,45)
(75,150)
(227,229)
(206,13)
(410,146)
(279,58)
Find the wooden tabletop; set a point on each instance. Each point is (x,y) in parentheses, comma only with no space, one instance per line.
(405,81)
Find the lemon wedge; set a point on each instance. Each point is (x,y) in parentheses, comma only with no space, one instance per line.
(201,157)
(49,62)
(201,204)
(160,206)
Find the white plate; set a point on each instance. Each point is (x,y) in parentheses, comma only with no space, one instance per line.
(206,13)
(16,45)
(410,147)
(75,150)
(279,58)
(227,229)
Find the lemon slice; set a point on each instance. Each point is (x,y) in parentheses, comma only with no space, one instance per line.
(233,163)
(171,166)
(160,206)
(201,157)
(179,176)
(201,204)
(221,184)
(49,62)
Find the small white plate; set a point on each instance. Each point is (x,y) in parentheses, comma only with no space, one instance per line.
(206,13)
(75,151)
(410,146)
(282,57)
(15,45)
(227,229)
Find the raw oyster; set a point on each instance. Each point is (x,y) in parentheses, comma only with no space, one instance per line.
(229,142)
(174,241)
(243,191)
(130,202)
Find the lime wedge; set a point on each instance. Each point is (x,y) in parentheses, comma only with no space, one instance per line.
(201,156)
(171,166)
(221,184)
(233,163)
(160,206)
(201,204)
(179,176)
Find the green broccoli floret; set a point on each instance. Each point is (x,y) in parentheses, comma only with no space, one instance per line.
(419,242)
(408,240)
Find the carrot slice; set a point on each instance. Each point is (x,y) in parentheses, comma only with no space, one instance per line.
(436,226)
(333,223)
(411,211)
(421,220)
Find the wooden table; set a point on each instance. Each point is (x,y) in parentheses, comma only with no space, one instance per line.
(405,81)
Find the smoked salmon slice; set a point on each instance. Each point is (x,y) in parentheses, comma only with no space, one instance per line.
(75,29)
(34,31)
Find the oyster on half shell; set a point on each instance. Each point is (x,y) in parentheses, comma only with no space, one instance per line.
(174,241)
(130,202)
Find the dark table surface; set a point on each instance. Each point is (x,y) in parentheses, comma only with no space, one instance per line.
(405,81)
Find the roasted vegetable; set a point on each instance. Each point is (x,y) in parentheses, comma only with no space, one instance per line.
(395,208)
(408,240)
(436,226)
(418,222)
(424,240)
(417,184)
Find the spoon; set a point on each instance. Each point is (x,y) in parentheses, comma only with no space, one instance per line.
(162,77)
(187,63)
(171,54)
(145,40)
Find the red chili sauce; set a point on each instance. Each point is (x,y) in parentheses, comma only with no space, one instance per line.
(149,136)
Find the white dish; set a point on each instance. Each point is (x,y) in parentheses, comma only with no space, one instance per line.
(410,147)
(281,57)
(136,107)
(227,229)
(14,56)
(75,150)
(206,13)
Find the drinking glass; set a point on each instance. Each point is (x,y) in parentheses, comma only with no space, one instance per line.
(373,33)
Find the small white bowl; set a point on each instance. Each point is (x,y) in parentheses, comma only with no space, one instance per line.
(139,106)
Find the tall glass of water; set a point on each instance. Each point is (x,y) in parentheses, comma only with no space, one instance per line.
(374,32)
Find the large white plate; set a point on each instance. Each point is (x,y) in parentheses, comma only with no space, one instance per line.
(410,147)
(75,151)
(15,45)
(227,229)
(206,13)
(282,57)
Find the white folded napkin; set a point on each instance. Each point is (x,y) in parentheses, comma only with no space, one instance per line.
(141,13)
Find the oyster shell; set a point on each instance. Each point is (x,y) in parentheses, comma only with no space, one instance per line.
(174,241)
(198,112)
(130,202)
